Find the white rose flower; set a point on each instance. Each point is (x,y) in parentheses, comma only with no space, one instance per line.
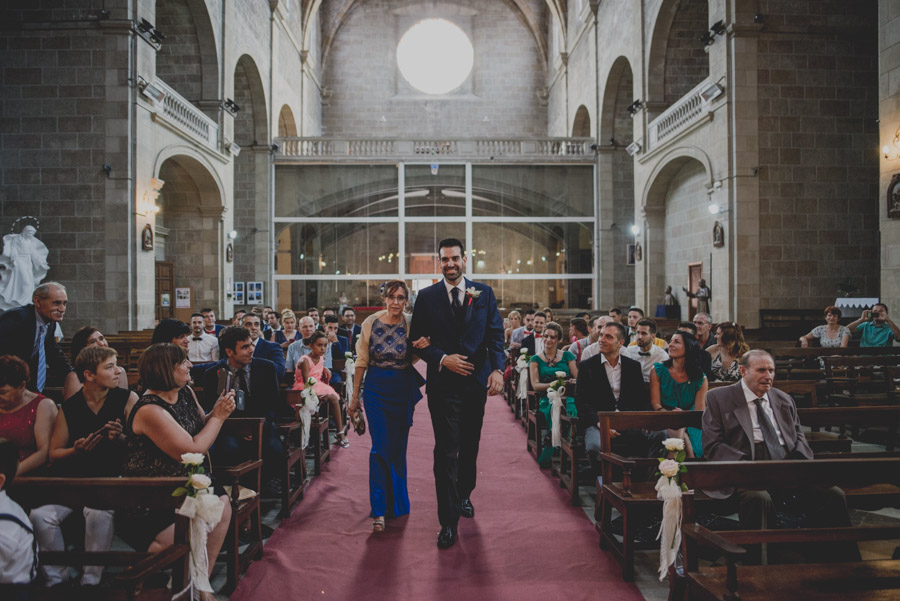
(523,351)
(674,444)
(192,458)
(348,354)
(669,468)
(200,481)
(561,374)
(310,381)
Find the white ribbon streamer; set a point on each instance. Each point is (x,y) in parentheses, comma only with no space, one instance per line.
(307,409)
(669,536)
(349,372)
(522,388)
(204,511)
(556,398)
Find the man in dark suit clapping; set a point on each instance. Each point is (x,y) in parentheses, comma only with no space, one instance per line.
(28,333)
(609,381)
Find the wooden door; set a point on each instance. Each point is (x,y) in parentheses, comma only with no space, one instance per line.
(165,289)
(695,272)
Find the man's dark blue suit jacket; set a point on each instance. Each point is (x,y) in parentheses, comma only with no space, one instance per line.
(17,331)
(272,352)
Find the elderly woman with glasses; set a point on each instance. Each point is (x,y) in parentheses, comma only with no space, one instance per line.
(384,356)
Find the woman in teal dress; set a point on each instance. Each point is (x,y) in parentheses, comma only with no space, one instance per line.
(680,385)
(542,370)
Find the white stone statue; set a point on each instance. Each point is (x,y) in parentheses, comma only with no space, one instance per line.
(23,264)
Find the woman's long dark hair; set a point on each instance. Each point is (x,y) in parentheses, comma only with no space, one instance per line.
(79,340)
(692,350)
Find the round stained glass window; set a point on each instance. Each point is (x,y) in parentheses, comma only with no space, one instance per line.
(435,56)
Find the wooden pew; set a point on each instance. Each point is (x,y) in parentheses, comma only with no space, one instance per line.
(820,417)
(868,580)
(858,380)
(115,494)
(319,439)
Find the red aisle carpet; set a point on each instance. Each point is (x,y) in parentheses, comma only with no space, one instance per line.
(525,543)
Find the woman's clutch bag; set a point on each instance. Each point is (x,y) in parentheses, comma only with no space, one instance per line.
(359,422)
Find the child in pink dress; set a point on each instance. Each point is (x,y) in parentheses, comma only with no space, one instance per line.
(313,365)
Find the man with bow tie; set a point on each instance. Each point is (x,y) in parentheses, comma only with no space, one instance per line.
(534,342)
(645,351)
(202,347)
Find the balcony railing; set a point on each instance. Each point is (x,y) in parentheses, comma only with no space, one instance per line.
(686,112)
(185,118)
(293,150)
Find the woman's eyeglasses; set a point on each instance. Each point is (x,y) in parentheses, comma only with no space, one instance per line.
(396,299)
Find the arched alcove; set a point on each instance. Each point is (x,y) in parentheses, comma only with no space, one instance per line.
(581,125)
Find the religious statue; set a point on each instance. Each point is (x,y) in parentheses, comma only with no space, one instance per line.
(702,295)
(23,264)
(669,299)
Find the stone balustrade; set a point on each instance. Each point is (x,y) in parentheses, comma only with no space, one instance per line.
(689,110)
(298,150)
(185,118)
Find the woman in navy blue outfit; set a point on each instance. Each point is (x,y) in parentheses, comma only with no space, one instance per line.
(390,394)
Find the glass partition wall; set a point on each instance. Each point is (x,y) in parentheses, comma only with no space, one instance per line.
(343,229)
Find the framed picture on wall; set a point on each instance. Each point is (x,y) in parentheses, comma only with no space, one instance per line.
(629,254)
(893,197)
(254,293)
(238,293)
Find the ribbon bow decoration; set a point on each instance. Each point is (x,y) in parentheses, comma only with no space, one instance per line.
(556,398)
(204,511)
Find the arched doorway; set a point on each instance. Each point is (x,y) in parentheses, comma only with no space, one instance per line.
(581,126)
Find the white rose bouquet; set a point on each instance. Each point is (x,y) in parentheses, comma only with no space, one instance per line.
(669,488)
(198,483)
(204,510)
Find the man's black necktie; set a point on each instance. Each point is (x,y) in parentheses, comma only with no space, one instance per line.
(770,436)
(457,303)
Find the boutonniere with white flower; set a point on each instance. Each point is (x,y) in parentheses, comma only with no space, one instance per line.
(472,293)
(669,488)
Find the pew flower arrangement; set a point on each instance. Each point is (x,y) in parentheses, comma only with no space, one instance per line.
(669,488)
(349,373)
(556,394)
(522,367)
(310,405)
(524,358)
(204,510)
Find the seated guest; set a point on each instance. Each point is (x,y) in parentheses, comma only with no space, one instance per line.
(705,358)
(703,322)
(202,347)
(87,442)
(89,336)
(274,325)
(679,384)
(534,341)
(172,331)
(164,424)
(209,322)
(752,405)
(578,330)
(616,314)
(255,385)
(18,546)
(831,335)
(876,327)
(299,348)
(515,322)
(610,381)
(519,334)
(313,314)
(26,417)
(312,365)
(288,332)
(635,314)
(263,349)
(594,347)
(542,372)
(727,352)
(238,317)
(350,329)
(548,313)
(28,333)
(337,346)
(644,351)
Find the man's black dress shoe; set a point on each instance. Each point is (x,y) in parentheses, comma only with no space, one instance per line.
(466,509)
(446,537)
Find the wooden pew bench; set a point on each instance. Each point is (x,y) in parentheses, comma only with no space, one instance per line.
(852,581)
(857,380)
(115,494)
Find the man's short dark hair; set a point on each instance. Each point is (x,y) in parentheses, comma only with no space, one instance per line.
(621,332)
(638,309)
(206,310)
(193,315)
(580,325)
(649,323)
(90,358)
(168,330)
(540,314)
(880,305)
(331,319)
(308,309)
(583,315)
(615,310)
(9,461)
(530,312)
(239,312)
(344,312)
(332,309)
(687,325)
(230,336)
(450,243)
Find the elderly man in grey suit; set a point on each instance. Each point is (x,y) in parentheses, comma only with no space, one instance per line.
(752,421)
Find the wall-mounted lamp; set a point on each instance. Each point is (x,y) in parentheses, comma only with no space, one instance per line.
(232,235)
(635,107)
(892,151)
(709,37)
(633,148)
(711,92)
(150,91)
(274,148)
(233,147)
(231,106)
(151,33)
(635,230)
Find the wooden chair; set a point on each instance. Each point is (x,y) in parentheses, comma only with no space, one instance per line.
(115,494)
(572,456)
(293,469)
(246,474)
(535,424)
(852,581)
(858,380)
(319,439)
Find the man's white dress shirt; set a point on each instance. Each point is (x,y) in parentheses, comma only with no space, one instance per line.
(204,350)
(654,355)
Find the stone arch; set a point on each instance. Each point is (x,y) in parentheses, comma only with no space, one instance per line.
(252,260)
(189,60)
(581,125)
(189,224)
(674,211)
(287,126)
(676,61)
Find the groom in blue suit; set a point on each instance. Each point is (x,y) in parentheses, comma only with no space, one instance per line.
(465,364)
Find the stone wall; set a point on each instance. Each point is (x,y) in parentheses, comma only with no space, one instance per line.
(889,100)
(178,61)
(686,62)
(817,141)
